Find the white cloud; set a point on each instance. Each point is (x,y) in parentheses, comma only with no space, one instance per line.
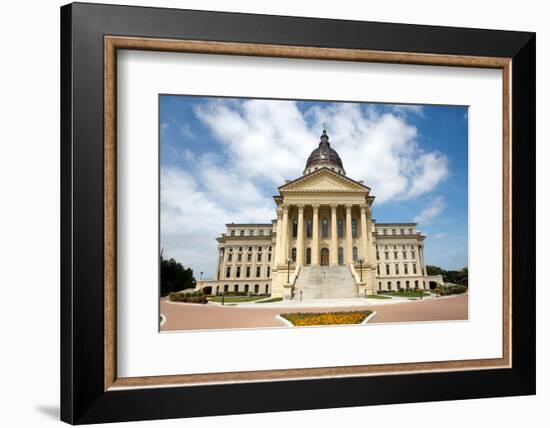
(439,235)
(408,109)
(272,139)
(432,210)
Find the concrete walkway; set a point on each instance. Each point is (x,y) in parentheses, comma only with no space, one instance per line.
(185,316)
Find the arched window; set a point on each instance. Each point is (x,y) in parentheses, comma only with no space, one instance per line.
(380,286)
(217,290)
(324,228)
(340,255)
(293,255)
(236,288)
(407,285)
(266,288)
(246,288)
(256,289)
(308,256)
(226,288)
(389,285)
(354,254)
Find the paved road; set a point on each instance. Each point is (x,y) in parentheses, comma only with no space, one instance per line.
(182,316)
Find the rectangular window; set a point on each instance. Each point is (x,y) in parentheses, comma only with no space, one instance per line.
(393,231)
(411,231)
(251,232)
(387,269)
(294,228)
(238,271)
(249,257)
(399,285)
(230,257)
(406,267)
(258,271)
(378,269)
(324,227)
(413,255)
(396,269)
(248,271)
(404,255)
(232,233)
(385,231)
(340,224)
(261,232)
(395,255)
(386,255)
(228,272)
(259,257)
(414,268)
(260,249)
(268,271)
(269,257)
(309,228)
(354,227)
(239,257)
(242,232)
(377,255)
(402,231)
(416,284)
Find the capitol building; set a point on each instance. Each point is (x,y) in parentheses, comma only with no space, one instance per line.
(324,242)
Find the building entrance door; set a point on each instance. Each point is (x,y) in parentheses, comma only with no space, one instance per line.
(324,257)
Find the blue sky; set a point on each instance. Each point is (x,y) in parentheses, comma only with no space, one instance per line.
(222,160)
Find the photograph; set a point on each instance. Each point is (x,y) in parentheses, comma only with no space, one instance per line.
(286,213)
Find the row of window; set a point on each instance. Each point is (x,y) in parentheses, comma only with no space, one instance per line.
(247,271)
(394,231)
(396,255)
(396,269)
(324,228)
(248,257)
(240,249)
(246,288)
(394,247)
(340,255)
(251,232)
(398,284)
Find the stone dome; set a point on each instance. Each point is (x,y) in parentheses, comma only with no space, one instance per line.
(324,156)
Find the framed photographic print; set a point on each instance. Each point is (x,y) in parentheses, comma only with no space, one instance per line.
(272,213)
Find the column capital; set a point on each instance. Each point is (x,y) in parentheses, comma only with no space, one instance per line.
(279,212)
(315,206)
(285,207)
(334,206)
(300,206)
(348,207)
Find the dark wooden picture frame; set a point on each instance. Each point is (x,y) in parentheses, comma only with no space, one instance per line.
(90,389)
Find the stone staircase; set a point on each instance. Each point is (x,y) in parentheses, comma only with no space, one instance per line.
(325,282)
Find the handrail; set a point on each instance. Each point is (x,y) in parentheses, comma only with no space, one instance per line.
(354,273)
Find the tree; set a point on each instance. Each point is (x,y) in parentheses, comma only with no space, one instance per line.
(454,276)
(174,277)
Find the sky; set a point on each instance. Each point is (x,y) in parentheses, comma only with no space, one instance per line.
(222,160)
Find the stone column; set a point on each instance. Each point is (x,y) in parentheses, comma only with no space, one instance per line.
(278,238)
(333,235)
(284,236)
(349,237)
(364,234)
(315,237)
(370,244)
(300,237)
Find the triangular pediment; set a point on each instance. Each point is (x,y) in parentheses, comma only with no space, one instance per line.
(324,180)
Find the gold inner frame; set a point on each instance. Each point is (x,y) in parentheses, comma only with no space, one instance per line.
(113,43)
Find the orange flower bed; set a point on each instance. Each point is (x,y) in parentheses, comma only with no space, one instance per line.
(326,318)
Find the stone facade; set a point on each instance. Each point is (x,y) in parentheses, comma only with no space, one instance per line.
(324,218)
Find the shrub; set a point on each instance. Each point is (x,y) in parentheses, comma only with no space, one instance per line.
(195,297)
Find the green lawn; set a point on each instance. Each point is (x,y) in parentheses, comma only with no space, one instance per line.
(236,299)
(407,294)
(377,296)
(273,299)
